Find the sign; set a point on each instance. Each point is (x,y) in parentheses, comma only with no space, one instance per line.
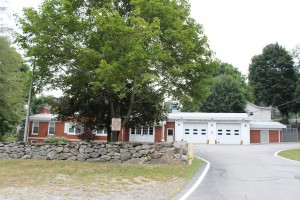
(115,124)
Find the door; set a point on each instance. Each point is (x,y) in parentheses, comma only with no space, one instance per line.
(228,133)
(195,132)
(264,136)
(170,135)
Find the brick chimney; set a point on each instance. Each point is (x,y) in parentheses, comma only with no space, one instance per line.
(44,110)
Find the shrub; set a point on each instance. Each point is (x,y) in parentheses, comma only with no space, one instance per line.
(56,140)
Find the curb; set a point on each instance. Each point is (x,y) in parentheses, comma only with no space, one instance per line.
(194,182)
(276,154)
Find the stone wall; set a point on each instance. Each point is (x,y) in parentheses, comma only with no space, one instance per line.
(117,152)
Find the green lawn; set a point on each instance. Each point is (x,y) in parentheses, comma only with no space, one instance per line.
(14,173)
(293,154)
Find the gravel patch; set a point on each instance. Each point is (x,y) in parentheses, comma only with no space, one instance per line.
(139,188)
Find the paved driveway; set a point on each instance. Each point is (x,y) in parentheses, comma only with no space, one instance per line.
(248,172)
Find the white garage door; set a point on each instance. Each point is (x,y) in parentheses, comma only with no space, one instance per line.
(195,132)
(229,133)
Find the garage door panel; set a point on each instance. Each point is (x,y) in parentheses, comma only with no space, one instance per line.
(195,132)
(229,133)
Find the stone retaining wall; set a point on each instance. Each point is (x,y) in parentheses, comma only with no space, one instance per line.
(117,152)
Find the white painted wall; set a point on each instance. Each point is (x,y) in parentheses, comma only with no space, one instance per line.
(179,130)
(259,113)
(245,132)
(212,132)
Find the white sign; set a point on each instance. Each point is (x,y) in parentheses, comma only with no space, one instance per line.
(115,124)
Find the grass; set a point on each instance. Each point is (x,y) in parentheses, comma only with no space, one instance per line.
(16,173)
(293,154)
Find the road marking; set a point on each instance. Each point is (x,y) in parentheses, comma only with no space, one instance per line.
(191,190)
(276,154)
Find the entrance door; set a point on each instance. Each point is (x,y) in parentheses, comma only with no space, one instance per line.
(264,136)
(170,135)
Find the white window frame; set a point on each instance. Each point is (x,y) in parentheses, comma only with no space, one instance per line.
(69,125)
(38,127)
(49,125)
(140,130)
(101,132)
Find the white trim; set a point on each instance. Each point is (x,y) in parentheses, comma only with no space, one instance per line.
(32,128)
(199,180)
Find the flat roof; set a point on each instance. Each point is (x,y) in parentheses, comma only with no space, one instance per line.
(266,125)
(208,116)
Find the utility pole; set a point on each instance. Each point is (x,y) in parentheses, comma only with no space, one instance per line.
(26,129)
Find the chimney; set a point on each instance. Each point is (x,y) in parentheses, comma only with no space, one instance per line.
(44,110)
(175,107)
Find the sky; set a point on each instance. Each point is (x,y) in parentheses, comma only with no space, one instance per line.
(236,29)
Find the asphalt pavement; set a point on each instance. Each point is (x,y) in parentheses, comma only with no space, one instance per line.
(250,172)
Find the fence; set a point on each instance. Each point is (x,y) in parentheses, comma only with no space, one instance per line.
(290,134)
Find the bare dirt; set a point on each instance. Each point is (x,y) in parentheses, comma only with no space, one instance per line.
(139,188)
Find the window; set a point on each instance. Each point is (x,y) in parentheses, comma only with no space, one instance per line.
(170,131)
(228,132)
(35,128)
(138,131)
(51,128)
(195,131)
(187,131)
(132,131)
(75,128)
(250,113)
(101,132)
(142,131)
(150,130)
(220,132)
(145,130)
(203,131)
(236,132)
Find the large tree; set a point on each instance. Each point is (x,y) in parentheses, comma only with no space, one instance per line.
(123,57)
(272,76)
(229,92)
(12,86)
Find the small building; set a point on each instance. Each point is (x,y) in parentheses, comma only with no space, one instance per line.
(255,126)
(44,125)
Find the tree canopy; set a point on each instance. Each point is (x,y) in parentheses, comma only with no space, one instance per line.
(122,58)
(12,86)
(272,76)
(229,93)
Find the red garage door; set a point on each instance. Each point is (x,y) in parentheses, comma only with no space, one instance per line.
(254,136)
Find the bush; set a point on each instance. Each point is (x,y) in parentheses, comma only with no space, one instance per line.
(56,140)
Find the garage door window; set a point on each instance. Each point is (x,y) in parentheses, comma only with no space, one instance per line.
(187,131)
(195,131)
(220,132)
(236,132)
(203,131)
(228,132)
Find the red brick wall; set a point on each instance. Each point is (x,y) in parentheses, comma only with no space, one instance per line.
(254,136)
(158,132)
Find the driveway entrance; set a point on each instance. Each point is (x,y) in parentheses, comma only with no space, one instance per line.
(248,172)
